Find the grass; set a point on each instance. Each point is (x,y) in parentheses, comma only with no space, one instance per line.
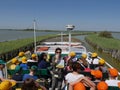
(12,45)
(109,43)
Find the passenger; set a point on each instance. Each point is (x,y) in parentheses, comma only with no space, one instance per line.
(7,84)
(33,60)
(24,65)
(75,77)
(71,57)
(43,64)
(31,84)
(14,62)
(113,74)
(33,70)
(97,74)
(57,72)
(94,61)
(83,62)
(2,65)
(18,76)
(20,55)
(102,86)
(102,66)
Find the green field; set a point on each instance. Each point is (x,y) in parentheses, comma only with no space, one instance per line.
(12,45)
(109,43)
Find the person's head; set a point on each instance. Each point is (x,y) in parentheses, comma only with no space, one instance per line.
(113,72)
(72,54)
(21,54)
(15,61)
(84,56)
(29,84)
(76,67)
(102,86)
(97,74)
(7,85)
(24,60)
(94,55)
(58,50)
(34,56)
(79,86)
(101,62)
(43,56)
(33,69)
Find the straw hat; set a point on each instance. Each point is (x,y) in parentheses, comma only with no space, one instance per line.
(6,85)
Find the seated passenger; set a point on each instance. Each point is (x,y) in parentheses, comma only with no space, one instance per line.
(102,66)
(71,57)
(94,61)
(18,74)
(32,61)
(113,74)
(43,64)
(24,65)
(102,86)
(31,84)
(97,74)
(33,70)
(14,62)
(75,77)
(20,55)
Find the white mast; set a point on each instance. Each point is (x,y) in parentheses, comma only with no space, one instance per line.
(34,37)
(70,28)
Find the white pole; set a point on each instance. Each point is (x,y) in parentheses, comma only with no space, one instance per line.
(34,37)
(69,40)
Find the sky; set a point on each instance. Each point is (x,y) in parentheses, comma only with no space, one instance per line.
(87,15)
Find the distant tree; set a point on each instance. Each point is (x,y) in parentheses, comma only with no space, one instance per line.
(105,34)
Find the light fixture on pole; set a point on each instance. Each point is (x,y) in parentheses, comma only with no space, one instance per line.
(70,28)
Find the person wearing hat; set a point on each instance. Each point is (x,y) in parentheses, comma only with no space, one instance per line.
(74,77)
(24,65)
(33,60)
(102,86)
(7,84)
(2,65)
(113,74)
(20,55)
(14,62)
(102,66)
(83,62)
(94,60)
(97,75)
(33,70)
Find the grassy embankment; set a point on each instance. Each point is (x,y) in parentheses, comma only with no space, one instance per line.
(15,44)
(108,43)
